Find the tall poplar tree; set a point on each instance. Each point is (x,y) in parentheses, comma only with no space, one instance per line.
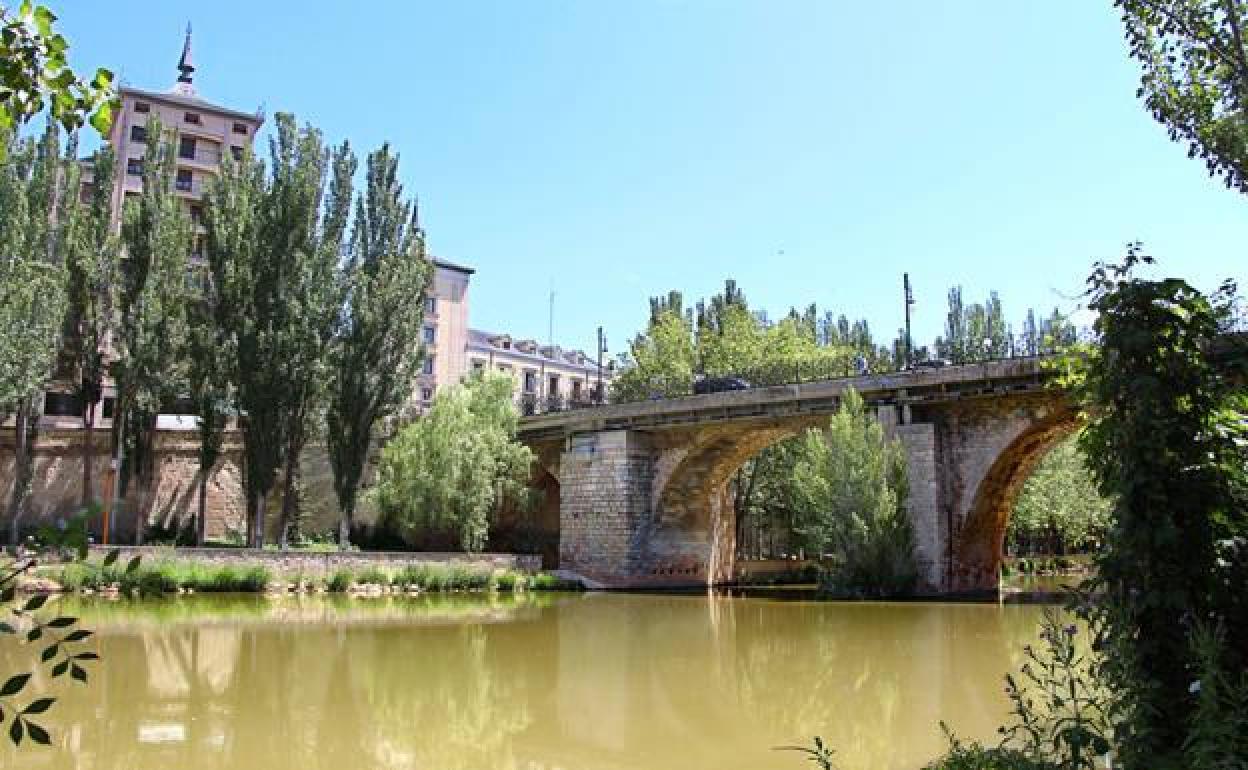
(92,263)
(34,209)
(378,351)
(272,248)
(150,370)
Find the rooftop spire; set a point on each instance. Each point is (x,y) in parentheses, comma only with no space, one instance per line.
(186,65)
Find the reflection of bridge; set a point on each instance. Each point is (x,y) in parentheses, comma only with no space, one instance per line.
(642,488)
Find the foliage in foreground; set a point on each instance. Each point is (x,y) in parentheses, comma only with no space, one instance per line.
(449,470)
(63,644)
(1168,439)
(851,492)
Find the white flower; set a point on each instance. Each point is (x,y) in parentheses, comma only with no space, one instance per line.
(1194,687)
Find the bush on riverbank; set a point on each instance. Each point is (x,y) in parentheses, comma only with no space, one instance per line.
(173,577)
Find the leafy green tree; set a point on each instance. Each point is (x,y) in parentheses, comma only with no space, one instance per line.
(93,261)
(1194,76)
(269,244)
(307,220)
(35,75)
(975,332)
(660,362)
(150,369)
(1166,438)
(850,491)
(34,211)
(1060,506)
(451,468)
(377,349)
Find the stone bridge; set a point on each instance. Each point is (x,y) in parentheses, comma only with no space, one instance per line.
(642,492)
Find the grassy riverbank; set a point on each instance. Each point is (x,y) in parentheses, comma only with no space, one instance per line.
(172,577)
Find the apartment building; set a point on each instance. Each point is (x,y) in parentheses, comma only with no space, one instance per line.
(546,376)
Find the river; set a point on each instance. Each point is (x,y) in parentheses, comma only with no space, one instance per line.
(534,682)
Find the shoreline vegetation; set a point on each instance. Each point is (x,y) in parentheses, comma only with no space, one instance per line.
(164,578)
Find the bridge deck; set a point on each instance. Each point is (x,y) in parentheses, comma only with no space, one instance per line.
(916,386)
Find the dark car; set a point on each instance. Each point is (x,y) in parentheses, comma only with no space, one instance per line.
(930,363)
(704,385)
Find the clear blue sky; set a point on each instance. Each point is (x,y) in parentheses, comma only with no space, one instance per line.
(812,150)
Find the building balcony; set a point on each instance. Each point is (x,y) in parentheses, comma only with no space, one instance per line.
(200,155)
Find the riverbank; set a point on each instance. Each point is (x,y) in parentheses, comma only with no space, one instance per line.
(165,575)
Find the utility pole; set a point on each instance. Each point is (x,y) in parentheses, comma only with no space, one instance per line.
(602,348)
(909,300)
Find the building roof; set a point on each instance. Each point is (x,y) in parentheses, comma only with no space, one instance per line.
(193,102)
(442,263)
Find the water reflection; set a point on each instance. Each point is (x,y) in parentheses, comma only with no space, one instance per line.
(531,683)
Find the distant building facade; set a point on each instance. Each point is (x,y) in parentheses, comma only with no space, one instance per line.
(546,377)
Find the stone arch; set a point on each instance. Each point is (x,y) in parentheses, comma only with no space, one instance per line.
(692,534)
(979,544)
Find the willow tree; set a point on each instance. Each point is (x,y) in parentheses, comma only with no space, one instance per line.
(93,251)
(272,248)
(377,349)
(150,370)
(34,209)
(449,470)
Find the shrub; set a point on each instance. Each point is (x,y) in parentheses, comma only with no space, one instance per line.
(340,582)
(373,576)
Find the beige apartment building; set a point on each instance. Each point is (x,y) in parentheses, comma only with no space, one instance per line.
(546,376)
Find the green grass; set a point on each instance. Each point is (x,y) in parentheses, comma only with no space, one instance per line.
(165,576)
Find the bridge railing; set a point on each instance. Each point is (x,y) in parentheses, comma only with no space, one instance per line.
(786,373)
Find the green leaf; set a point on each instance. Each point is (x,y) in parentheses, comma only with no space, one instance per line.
(87,656)
(102,118)
(39,706)
(133,565)
(49,652)
(60,668)
(14,685)
(78,636)
(15,731)
(111,558)
(62,622)
(33,634)
(7,628)
(78,672)
(35,602)
(38,734)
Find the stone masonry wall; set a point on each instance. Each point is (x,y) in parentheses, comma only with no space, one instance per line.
(605,485)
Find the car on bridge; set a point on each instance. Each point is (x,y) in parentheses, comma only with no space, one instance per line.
(703,384)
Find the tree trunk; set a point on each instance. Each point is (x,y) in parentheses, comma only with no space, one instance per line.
(257,521)
(24,434)
(344,530)
(290,497)
(139,509)
(201,525)
(88,453)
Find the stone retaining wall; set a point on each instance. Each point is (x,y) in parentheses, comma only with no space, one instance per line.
(321,562)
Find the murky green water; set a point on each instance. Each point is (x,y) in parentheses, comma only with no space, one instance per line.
(574,682)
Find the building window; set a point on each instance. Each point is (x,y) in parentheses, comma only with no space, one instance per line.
(192,118)
(426,394)
(530,382)
(142,107)
(431,304)
(430,334)
(427,365)
(134,167)
(553,385)
(478,365)
(197,214)
(186,148)
(61,405)
(236,151)
(576,390)
(240,128)
(183,180)
(138,133)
